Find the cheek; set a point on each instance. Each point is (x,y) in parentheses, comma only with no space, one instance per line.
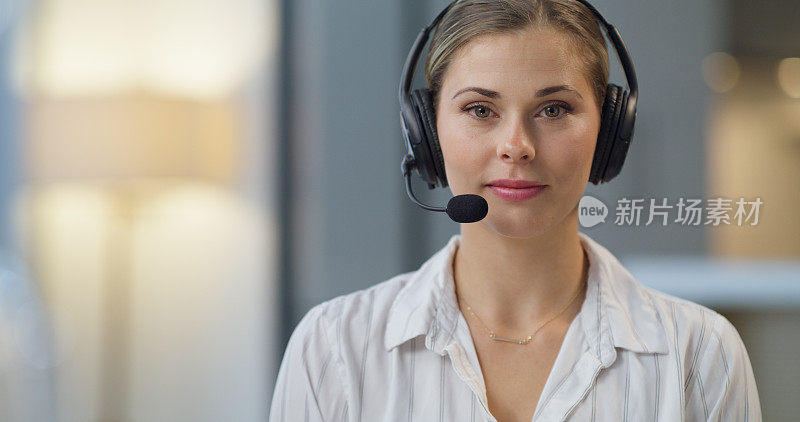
(462,162)
(464,154)
(569,153)
(576,149)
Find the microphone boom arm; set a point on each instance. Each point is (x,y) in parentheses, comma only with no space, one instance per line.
(407,165)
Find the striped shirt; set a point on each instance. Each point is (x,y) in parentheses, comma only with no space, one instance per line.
(401,351)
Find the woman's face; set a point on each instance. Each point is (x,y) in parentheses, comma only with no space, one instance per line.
(518,106)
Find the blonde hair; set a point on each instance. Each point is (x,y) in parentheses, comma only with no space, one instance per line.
(468,19)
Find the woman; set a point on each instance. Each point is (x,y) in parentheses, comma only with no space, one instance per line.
(520,317)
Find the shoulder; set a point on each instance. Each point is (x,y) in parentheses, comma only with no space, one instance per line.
(349,320)
(709,345)
(323,360)
(690,318)
(674,310)
(693,328)
(715,334)
(717,376)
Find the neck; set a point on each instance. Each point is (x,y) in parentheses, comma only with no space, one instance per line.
(513,284)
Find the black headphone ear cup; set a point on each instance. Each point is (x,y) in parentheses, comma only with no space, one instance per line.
(609,121)
(414,134)
(428,113)
(619,147)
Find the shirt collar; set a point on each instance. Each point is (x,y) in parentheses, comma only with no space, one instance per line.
(616,312)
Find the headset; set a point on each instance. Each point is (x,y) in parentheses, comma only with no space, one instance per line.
(418,117)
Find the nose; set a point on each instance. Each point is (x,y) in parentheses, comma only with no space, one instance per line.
(517,146)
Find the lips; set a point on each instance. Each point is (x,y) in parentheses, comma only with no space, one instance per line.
(515,183)
(516,190)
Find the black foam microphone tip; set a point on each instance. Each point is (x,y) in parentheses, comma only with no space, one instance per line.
(467,208)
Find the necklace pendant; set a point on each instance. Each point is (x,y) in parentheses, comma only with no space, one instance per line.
(509,340)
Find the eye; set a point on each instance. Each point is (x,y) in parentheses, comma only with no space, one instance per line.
(556,110)
(481,111)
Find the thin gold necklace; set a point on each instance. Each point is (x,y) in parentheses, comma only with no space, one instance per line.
(528,339)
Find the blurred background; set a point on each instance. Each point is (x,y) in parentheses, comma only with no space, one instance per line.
(181,181)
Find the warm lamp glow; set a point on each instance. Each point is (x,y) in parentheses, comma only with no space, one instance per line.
(184,48)
(789,76)
(720,71)
(158,289)
(130,137)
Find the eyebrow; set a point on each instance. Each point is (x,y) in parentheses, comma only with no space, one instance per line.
(540,93)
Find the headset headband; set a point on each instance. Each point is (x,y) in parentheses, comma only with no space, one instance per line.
(410,65)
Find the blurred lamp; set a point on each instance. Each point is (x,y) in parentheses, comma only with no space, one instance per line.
(182,48)
(789,76)
(134,138)
(720,71)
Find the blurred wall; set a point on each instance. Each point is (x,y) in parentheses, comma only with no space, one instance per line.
(9,128)
(26,355)
(346,209)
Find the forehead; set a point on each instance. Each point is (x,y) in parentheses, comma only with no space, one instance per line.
(520,61)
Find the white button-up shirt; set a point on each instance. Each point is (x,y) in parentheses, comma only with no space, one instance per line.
(401,351)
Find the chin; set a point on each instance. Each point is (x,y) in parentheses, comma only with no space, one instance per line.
(517,225)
